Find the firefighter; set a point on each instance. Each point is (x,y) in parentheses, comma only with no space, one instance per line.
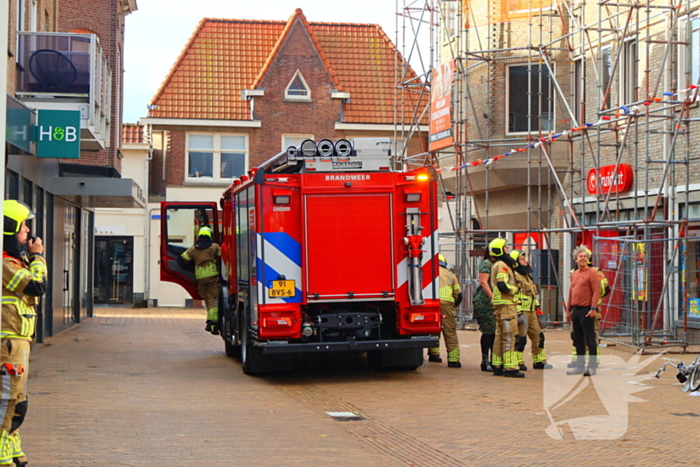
(24,280)
(528,306)
(507,341)
(206,254)
(450,298)
(604,291)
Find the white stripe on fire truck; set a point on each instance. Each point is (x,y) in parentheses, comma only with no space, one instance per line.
(278,262)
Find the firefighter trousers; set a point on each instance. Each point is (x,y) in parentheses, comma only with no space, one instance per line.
(209,289)
(504,354)
(14,356)
(530,327)
(449,332)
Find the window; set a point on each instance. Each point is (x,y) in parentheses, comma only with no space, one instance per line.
(688,55)
(529,90)
(297,89)
(605,74)
(21,25)
(578,91)
(216,157)
(448,13)
(628,81)
(294,140)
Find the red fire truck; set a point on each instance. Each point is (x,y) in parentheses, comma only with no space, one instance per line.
(325,248)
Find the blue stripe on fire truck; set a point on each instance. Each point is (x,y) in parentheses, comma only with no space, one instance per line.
(282,257)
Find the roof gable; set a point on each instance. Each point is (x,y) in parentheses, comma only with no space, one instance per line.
(224,57)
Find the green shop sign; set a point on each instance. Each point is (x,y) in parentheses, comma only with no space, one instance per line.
(58,134)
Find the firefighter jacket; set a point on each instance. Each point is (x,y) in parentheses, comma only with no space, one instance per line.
(527,295)
(204,260)
(501,272)
(22,285)
(449,286)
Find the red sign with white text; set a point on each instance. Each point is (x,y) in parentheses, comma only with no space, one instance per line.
(623,179)
(440,135)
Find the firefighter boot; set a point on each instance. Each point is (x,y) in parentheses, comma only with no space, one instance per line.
(454,365)
(513,374)
(497,371)
(212,327)
(434,355)
(542,366)
(522,367)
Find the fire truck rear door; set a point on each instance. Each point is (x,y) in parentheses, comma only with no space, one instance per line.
(349,251)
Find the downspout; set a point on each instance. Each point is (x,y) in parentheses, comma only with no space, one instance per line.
(147,220)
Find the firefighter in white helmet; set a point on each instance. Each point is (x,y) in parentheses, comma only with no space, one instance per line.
(528,312)
(24,280)
(206,253)
(450,298)
(507,341)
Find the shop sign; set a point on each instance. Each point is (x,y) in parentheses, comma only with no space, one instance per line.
(58,134)
(622,181)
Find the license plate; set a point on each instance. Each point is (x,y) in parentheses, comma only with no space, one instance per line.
(281,289)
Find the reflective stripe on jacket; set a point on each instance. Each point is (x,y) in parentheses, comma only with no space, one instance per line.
(526,297)
(18,313)
(449,286)
(501,272)
(205,261)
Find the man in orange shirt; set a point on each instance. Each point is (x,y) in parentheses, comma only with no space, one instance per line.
(581,310)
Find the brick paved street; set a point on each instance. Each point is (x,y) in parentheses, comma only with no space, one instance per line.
(147,387)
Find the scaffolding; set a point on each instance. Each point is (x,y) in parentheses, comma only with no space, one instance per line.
(572,123)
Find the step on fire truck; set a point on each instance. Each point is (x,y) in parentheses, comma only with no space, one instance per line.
(325,248)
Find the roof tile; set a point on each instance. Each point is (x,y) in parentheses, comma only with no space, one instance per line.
(224,57)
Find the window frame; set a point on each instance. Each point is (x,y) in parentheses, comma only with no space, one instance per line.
(216,151)
(294,97)
(301,136)
(605,77)
(682,54)
(552,113)
(629,71)
(578,94)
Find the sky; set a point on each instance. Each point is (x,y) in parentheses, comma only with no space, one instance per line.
(158,31)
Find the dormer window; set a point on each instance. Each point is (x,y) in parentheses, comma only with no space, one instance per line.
(297,89)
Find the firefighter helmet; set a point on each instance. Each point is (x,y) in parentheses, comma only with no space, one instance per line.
(206,231)
(515,254)
(15,212)
(442,261)
(496,247)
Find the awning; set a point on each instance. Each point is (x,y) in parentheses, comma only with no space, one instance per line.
(95,192)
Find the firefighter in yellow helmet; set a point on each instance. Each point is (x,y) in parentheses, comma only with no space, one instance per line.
(206,253)
(604,291)
(507,341)
(24,280)
(450,298)
(528,313)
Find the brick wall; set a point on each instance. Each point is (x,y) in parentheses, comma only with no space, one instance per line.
(103,17)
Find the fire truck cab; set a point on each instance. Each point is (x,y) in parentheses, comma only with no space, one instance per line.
(325,248)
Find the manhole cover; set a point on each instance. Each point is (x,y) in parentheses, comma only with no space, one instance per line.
(687,414)
(344,416)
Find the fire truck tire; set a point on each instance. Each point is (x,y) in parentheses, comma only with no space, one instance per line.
(252,359)
(232,351)
(398,359)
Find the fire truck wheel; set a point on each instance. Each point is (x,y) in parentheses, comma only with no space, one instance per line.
(251,356)
(233,351)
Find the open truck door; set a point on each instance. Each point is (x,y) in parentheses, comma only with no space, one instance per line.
(179,224)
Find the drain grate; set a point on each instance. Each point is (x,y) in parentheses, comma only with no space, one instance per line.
(687,414)
(345,416)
